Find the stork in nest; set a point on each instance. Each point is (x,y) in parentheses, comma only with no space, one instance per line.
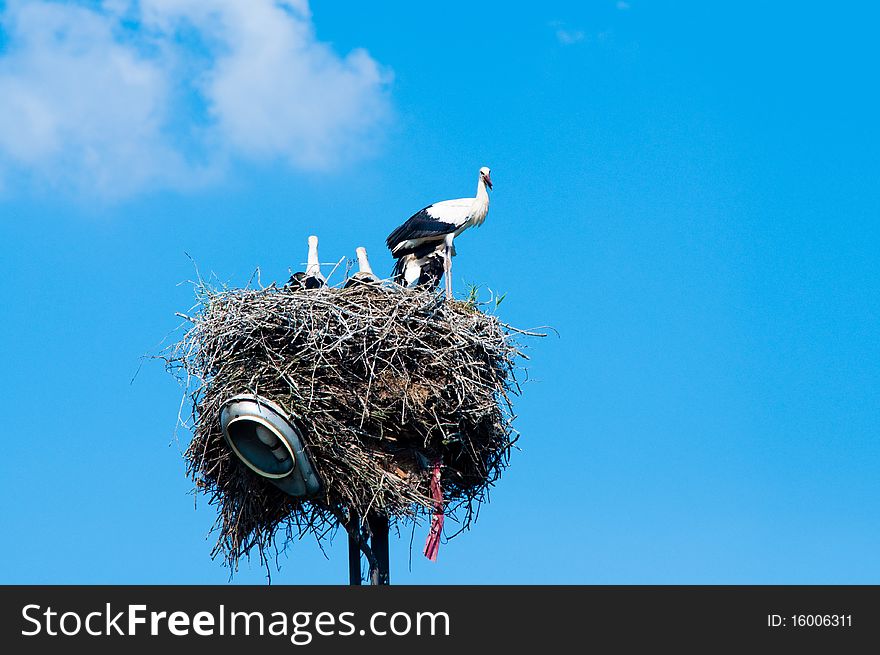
(311,278)
(423,246)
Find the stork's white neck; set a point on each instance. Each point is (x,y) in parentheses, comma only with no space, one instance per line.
(479,208)
(482,192)
(314,266)
(363,262)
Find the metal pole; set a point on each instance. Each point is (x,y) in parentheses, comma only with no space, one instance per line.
(380,575)
(354,551)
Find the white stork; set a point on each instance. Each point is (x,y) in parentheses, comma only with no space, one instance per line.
(365,273)
(423,245)
(312,278)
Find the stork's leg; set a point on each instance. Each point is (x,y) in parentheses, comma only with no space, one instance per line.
(447,270)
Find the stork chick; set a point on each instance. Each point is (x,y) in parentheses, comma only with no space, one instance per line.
(312,278)
(365,273)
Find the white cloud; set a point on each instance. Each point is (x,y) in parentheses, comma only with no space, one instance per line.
(623,6)
(158,93)
(78,107)
(273,89)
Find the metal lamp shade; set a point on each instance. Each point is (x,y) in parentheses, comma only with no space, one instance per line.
(260,434)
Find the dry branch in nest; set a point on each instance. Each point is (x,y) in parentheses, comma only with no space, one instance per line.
(384,382)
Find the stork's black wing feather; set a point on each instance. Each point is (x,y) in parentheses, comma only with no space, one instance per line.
(397,271)
(419,226)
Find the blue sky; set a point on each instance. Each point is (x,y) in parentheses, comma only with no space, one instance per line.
(687,192)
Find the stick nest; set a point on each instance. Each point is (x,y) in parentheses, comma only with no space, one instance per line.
(383,381)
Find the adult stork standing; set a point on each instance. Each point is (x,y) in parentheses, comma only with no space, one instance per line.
(423,245)
(365,272)
(312,278)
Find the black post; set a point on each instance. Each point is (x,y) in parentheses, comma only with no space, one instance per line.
(354,551)
(380,574)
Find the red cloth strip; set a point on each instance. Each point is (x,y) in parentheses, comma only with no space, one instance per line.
(432,544)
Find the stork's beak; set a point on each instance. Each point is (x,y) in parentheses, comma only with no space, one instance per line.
(488,181)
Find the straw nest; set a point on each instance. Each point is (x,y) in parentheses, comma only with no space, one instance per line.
(384,381)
